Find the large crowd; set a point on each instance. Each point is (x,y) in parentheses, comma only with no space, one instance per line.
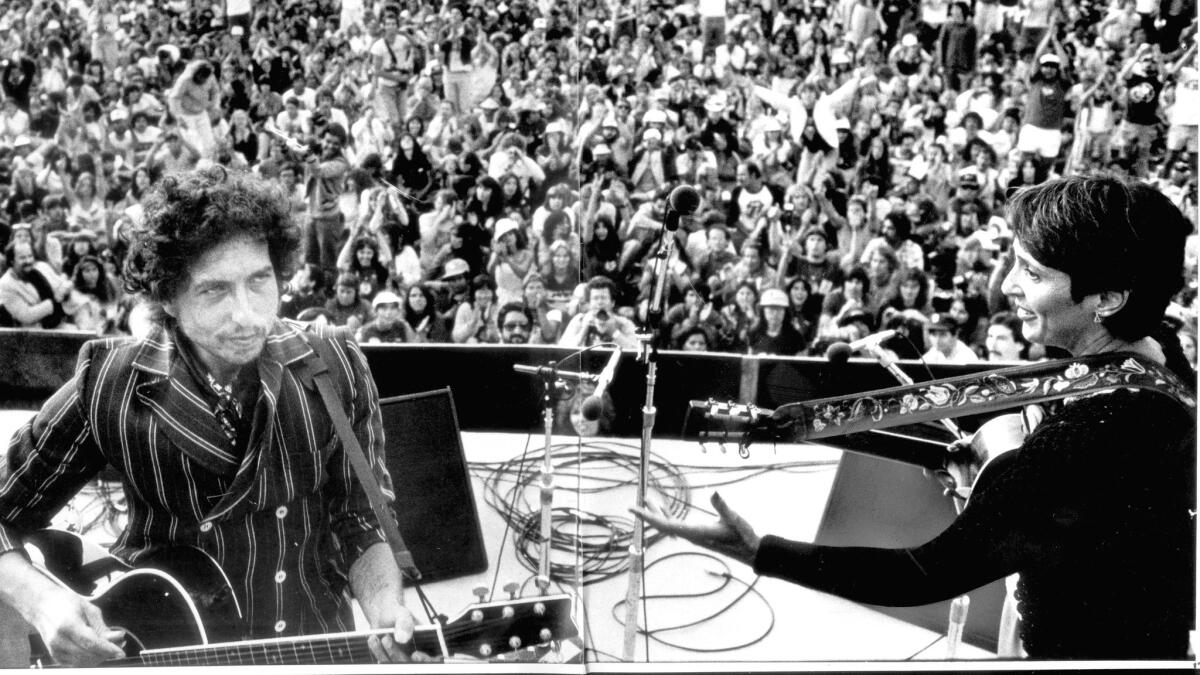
(498,171)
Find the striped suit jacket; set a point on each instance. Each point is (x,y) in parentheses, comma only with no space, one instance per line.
(285,525)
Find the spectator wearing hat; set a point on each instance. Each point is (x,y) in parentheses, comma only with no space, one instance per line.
(652,167)
(510,261)
(947,348)
(775,333)
(388,325)
(347,307)
(1046,104)
(452,288)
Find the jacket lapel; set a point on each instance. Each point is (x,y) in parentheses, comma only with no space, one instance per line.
(285,347)
(170,392)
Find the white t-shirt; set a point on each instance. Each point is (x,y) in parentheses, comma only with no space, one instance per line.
(752,205)
(1186,111)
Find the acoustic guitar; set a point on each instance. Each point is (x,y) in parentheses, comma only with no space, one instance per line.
(959,464)
(178,608)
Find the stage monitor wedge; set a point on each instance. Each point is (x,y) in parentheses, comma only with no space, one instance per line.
(435,505)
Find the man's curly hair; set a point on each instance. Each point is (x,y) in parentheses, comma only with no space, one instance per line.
(189,213)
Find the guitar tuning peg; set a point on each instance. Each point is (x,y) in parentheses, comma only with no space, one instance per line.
(514,642)
(511,588)
(545,635)
(480,592)
(743,451)
(485,650)
(539,608)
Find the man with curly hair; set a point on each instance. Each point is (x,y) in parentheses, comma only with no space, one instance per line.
(217,430)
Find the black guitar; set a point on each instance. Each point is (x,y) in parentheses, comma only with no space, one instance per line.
(178,608)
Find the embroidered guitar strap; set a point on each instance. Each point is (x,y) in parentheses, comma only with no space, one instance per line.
(975,394)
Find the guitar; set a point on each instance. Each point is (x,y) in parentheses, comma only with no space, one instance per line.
(959,464)
(178,608)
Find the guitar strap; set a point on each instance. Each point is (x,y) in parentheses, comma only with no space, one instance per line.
(362,468)
(315,368)
(977,394)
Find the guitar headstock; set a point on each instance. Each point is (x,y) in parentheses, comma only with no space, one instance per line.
(731,422)
(484,630)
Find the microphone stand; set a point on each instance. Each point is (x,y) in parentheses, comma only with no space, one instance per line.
(649,353)
(546,480)
(960,605)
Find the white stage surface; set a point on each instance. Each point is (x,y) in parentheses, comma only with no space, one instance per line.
(787,623)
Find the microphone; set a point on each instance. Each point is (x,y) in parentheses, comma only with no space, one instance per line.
(839,352)
(593,405)
(683,201)
(547,371)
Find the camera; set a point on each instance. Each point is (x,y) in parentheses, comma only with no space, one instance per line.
(602,315)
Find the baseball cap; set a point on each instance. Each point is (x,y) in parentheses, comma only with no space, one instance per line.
(909,40)
(1049,59)
(773,297)
(969,179)
(385,298)
(651,134)
(456,267)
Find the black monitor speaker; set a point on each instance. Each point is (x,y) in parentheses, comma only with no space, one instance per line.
(435,504)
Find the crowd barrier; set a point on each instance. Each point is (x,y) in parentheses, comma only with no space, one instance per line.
(490,396)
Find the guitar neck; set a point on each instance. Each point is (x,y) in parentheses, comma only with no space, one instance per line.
(305,649)
(979,394)
(337,648)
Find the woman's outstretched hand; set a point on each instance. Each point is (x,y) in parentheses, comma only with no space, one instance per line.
(730,535)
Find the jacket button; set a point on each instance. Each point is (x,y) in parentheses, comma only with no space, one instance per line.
(281,512)
(205,527)
(280,576)
(279,626)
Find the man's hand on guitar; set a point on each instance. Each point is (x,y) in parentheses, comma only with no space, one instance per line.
(730,535)
(74,631)
(397,647)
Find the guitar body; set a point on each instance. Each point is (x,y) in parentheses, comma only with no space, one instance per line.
(175,597)
(178,608)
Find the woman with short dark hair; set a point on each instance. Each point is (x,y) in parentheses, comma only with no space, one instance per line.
(1093,509)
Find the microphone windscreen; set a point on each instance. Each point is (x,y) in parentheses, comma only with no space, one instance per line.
(591,408)
(684,199)
(838,352)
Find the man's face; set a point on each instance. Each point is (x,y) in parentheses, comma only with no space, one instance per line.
(345,295)
(514,328)
(717,240)
(387,315)
(23,260)
(228,305)
(600,299)
(1001,345)
(943,339)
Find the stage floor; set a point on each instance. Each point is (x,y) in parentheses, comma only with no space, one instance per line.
(780,490)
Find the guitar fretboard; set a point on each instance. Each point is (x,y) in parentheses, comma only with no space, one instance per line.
(339,648)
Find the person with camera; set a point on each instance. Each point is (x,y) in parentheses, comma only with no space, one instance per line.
(599,323)
(392,57)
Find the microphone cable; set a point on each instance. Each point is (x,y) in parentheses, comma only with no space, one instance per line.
(727,578)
